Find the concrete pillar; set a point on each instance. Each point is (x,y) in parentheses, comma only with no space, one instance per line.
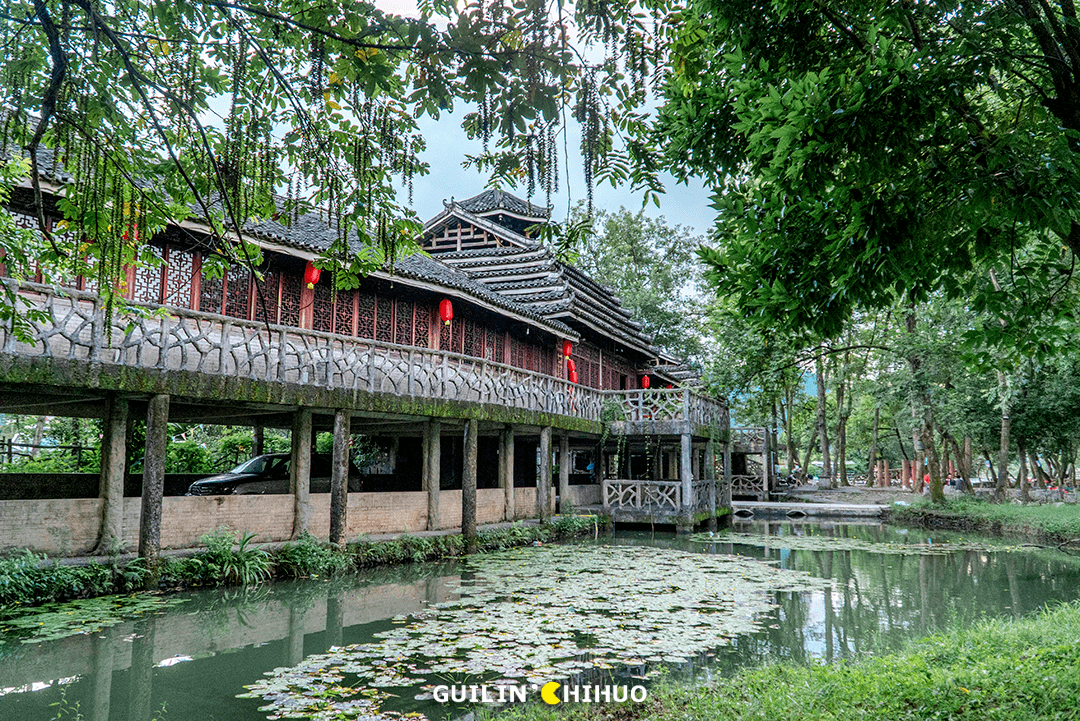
(506,471)
(564,474)
(339,478)
(543,480)
(432,470)
(468,486)
(111,486)
(710,474)
(153,487)
(727,474)
(259,444)
(766,457)
(686,474)
(300,471)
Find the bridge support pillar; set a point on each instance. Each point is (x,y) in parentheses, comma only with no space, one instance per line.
(543,481)
(564,473)
(259,441)
(432,470)
(710,475)
(686,481)
(468,486)
(300,471)
(339,479)
(727,472)
(506,471)
(153,486)
(111,485)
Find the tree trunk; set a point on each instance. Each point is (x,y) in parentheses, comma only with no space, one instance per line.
(841,433)
(872,463)
(965,483)
(806,456)
(1021,447)
(822,423)
(789,423)
(1003,450)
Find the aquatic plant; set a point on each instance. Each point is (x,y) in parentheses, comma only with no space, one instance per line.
(538,614)
(89,615)
(225,563)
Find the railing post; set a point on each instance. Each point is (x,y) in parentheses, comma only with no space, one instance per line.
(412,375)
(280,375)
(163,352)
(226,346)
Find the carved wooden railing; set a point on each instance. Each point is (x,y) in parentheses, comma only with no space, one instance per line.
(667,404)
(748,440)
(748,486)
(702,494)
(655,496)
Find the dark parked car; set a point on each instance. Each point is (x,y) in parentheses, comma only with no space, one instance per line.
(268,474)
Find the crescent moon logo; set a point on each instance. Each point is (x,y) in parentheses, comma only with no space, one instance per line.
(548,692)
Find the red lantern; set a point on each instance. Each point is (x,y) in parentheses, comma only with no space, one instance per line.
(311,275)
(567,348)
(669,386)
(573,377)
(446,310)
(570,367)
(645,382)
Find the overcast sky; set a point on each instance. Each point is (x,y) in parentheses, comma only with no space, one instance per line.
(448,145)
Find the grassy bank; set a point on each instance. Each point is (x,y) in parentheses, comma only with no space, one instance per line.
(1043,523)
(29,579)
(1008,670)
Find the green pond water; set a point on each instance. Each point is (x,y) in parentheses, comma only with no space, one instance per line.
(613,611)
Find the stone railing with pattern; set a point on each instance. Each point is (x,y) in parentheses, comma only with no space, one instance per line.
(668,404)
(645,496)
(702,494)
(748,486)
(71,325)
(748,440)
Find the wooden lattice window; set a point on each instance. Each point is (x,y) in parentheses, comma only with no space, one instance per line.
(266,296)
(210,295)
(517,353)
(422,325)
(238,293)
(473,342)
(291,289)
(344,312)
(179,274)
(146,280)
(497,346)
(365,317)
(445,336)
(384,319)
(404,322)
(322,311)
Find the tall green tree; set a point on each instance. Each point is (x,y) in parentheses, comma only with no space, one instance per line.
(653,268)
(871,150)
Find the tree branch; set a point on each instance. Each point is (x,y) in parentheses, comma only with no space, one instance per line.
(48,107)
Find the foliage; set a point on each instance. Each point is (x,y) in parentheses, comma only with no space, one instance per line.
(187,457)
(29,579)
(83,616)
(238,115)
(307,556)
(878,151)
(1050,523)
(229,560)
(652,267)
(998,670)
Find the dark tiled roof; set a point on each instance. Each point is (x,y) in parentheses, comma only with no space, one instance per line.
(494,200)
(532,276)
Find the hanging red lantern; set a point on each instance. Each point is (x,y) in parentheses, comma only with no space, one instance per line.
(669,386)
(570,367)
(311,275)
(567,348)
(573,377)
(446,311)
(645,382)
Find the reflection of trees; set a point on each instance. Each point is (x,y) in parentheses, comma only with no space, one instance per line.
(879,600)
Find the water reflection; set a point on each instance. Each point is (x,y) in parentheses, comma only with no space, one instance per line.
(194,658)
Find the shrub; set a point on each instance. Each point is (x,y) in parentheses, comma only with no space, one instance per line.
(224,564)
(308,557)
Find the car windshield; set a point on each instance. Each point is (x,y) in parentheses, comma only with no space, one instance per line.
(258,464)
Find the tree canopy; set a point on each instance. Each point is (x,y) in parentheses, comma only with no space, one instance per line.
(224,112)
(874,150)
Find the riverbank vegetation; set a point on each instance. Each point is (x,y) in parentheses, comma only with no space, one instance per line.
(1009,670)
(30,579)
(1057,524)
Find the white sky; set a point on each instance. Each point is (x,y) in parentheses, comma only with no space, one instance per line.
(447,146)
